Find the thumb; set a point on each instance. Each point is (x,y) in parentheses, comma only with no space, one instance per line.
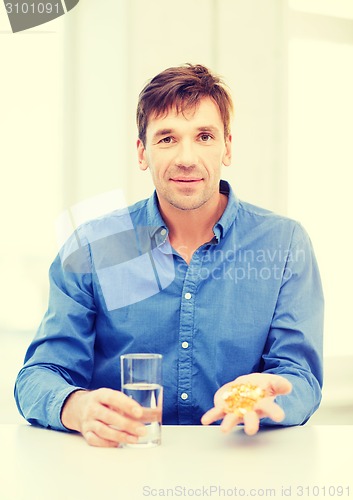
(280,385)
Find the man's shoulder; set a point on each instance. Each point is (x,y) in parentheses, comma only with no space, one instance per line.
(123,218)
(102,234)
(272,224)
(263,214)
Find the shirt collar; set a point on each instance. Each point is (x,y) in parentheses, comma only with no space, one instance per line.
(230,213)
(154,218)
(155,221)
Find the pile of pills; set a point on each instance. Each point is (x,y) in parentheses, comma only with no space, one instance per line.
(242,398)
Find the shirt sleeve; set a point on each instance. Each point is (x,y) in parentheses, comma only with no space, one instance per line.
(60,359)
(295,340)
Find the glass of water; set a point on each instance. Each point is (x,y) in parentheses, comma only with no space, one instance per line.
(141,379)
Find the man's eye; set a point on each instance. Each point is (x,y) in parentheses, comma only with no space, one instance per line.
(205,137)
(166,140)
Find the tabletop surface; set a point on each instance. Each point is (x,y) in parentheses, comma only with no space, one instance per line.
(193,461)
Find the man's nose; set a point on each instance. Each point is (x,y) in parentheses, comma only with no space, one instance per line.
(186,155)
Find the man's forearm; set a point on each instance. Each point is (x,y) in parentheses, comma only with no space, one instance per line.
(40,393)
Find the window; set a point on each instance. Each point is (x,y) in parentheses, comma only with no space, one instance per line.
(320,153)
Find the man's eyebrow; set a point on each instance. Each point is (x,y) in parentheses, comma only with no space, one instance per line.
(162,132)
(208,128)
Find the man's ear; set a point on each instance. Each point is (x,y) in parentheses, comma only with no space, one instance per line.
(141,155)
(227,157)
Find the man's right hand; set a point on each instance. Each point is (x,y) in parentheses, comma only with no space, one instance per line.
(104,417)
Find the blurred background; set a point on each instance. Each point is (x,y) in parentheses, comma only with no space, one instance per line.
(68,93)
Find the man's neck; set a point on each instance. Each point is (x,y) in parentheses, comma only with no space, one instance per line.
(189,229)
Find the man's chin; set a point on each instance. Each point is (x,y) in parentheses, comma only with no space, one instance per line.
(187,204)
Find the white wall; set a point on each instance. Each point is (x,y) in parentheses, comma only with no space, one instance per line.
(114,58)
(31,142)
(320,154)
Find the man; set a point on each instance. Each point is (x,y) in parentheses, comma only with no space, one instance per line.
(229,293)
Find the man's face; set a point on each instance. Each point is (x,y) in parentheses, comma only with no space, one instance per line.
(185,153)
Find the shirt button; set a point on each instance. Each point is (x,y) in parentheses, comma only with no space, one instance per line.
(163,232)
(184,396)
(187,295)
(185,345)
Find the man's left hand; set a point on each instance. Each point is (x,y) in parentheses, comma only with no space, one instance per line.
(272,385)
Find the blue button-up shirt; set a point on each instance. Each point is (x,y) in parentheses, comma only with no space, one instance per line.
(249,301)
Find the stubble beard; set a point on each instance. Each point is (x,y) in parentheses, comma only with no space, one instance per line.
(188,202)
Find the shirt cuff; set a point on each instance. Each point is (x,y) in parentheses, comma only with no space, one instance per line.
(56,405)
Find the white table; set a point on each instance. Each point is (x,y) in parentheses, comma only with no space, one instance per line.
(199,462)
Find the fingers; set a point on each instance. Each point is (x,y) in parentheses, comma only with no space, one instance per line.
(251,423)
(97,440)
(101,434)
(112,419)
(109,418)
(268,408)
(229,421)
(151,415)
(265,408)
(251,419)
(94,440)
(118,401)
(212,415)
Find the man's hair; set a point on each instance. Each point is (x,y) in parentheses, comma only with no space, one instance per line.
(181,88)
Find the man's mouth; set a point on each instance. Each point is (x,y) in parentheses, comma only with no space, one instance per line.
(186,179)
